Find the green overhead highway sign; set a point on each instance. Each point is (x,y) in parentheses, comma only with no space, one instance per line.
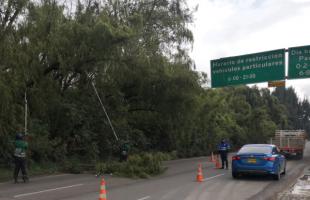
(251,68)
(299,62)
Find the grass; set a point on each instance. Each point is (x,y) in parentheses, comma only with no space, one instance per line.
(6,174)
(33,169)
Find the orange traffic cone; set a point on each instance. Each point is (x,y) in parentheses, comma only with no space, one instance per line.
(103,192)
(199,177)
(217,163)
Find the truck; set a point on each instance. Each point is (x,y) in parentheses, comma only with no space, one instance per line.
(290,142)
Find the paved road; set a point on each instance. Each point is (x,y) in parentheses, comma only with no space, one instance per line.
(178,182)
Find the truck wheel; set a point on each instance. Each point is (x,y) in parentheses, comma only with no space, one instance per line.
(299,156)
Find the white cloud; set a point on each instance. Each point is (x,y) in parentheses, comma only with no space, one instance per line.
(235,27)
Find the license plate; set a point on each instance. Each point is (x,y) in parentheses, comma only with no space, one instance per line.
(251,160)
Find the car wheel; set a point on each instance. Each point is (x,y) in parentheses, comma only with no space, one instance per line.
(235,175)
(284,171)
(278,175)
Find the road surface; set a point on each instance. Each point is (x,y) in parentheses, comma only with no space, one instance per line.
(178,182)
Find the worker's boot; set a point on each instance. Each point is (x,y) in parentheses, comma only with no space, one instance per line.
(26,179)
(15,180)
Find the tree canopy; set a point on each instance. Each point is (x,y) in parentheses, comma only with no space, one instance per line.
(137,54)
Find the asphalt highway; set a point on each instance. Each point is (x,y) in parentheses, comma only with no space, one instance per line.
(177,183)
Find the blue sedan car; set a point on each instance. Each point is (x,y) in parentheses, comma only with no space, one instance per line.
(259,159)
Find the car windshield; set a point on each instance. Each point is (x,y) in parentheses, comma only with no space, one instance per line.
(255,149)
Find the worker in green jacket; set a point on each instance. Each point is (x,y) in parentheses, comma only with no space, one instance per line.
(124,150)
(21,146)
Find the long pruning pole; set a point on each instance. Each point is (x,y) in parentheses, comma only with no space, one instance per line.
(104,110)
(26,112)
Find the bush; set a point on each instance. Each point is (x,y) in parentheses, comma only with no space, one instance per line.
(6,174)
(173,155)
(40,169)
(137,166)
(164,156)
(72,165)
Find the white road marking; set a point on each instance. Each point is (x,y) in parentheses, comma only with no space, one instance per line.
(206,179)
(49,190)
(144,198)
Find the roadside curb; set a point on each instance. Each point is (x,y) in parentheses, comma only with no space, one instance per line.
(288,193)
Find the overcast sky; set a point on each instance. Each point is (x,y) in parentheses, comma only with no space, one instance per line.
(235,27)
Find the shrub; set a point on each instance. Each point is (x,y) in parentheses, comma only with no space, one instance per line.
(141,165)
(72,165)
